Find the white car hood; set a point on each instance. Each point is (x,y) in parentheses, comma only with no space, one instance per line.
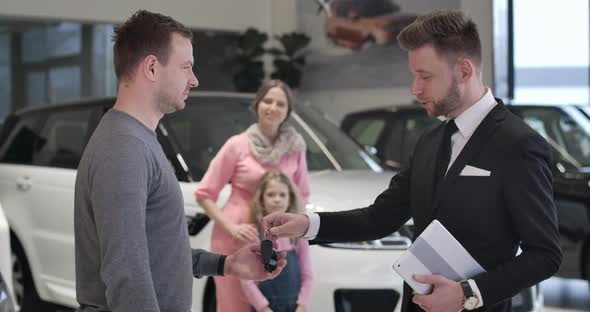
(345,190)
(330,190)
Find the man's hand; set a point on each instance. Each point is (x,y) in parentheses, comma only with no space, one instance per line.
(447,295)
(281,224)
(246,263)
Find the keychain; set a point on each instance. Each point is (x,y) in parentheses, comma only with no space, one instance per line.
(269,256)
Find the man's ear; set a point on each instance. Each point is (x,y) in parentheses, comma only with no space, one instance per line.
(466,68)
(149,67)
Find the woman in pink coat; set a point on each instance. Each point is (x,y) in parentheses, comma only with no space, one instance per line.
(269,144)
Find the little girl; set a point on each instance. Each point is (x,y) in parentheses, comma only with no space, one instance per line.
(290,290)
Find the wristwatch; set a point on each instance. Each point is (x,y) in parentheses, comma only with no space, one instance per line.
(471,299)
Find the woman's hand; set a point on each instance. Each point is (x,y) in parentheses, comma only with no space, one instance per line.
(300,308)
(265,309)
(244,232)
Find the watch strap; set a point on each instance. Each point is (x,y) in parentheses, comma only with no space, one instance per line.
(467,291)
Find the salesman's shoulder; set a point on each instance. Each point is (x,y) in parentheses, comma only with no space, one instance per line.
(513,130)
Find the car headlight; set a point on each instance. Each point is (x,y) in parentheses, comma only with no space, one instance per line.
(399,240)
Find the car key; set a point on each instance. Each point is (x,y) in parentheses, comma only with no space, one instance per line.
(269,256)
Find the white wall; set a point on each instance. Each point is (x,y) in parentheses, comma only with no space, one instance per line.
(481,11)
(208,14)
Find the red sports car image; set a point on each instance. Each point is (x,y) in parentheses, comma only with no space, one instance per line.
(353,23)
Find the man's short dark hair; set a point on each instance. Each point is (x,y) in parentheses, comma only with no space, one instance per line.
(450,33)
(144,33)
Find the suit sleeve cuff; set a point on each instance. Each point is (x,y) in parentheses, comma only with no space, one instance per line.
(476,292)
(314,225)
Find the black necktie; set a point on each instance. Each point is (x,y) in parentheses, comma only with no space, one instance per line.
(444,151)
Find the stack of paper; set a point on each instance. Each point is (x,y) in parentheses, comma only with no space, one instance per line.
(437,252)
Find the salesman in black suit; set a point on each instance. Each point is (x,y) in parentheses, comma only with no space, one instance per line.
(484,174)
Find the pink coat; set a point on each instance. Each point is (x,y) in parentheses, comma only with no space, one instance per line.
(234,162)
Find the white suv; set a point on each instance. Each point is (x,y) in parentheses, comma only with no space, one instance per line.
(41,149)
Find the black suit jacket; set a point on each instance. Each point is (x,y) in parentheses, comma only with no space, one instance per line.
(490,216)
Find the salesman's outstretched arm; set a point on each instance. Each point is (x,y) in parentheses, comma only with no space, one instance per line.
(388,213)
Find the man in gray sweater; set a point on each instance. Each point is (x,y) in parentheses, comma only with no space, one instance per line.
(132,245)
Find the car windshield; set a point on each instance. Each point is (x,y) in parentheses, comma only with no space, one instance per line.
(207,122)
(585,109)
(566,129)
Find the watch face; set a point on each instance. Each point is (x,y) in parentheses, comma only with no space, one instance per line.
(471,303)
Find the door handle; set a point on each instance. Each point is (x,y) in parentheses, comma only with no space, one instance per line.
(24,183)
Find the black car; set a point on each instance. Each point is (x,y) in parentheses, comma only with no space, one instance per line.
(391,134)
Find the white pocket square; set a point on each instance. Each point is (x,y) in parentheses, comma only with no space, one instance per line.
(471,171)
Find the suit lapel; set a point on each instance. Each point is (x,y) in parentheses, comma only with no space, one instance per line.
(473,147)
(428,169)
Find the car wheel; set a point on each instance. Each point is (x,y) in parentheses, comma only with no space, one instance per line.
(26,297)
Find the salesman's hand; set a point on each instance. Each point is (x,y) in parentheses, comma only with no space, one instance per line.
(246,263)
(447,295)
(281,224)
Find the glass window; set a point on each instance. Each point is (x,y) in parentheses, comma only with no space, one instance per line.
(545,71)
(22,137)
(336,146)
(104,81)
(36,89)
(64,135)
(45,42)
(64,84)
(367,131)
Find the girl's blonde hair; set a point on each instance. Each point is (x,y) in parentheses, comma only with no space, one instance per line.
(257,210)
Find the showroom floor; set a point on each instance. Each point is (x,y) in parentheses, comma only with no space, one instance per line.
(561,295)
(566,295)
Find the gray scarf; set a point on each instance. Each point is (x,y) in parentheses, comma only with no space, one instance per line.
(267,153)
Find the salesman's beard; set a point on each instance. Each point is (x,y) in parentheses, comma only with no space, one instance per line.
(450,102)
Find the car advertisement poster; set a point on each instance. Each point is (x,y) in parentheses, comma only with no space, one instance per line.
(353,42)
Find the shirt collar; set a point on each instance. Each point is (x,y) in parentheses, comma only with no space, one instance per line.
(470,119)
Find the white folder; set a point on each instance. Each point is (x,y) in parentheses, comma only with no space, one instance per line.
(437,252)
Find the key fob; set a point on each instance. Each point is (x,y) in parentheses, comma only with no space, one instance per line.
(269,256)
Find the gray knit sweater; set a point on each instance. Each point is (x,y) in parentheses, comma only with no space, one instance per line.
(132,245)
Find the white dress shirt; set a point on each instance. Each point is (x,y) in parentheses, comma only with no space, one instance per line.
(466,122)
